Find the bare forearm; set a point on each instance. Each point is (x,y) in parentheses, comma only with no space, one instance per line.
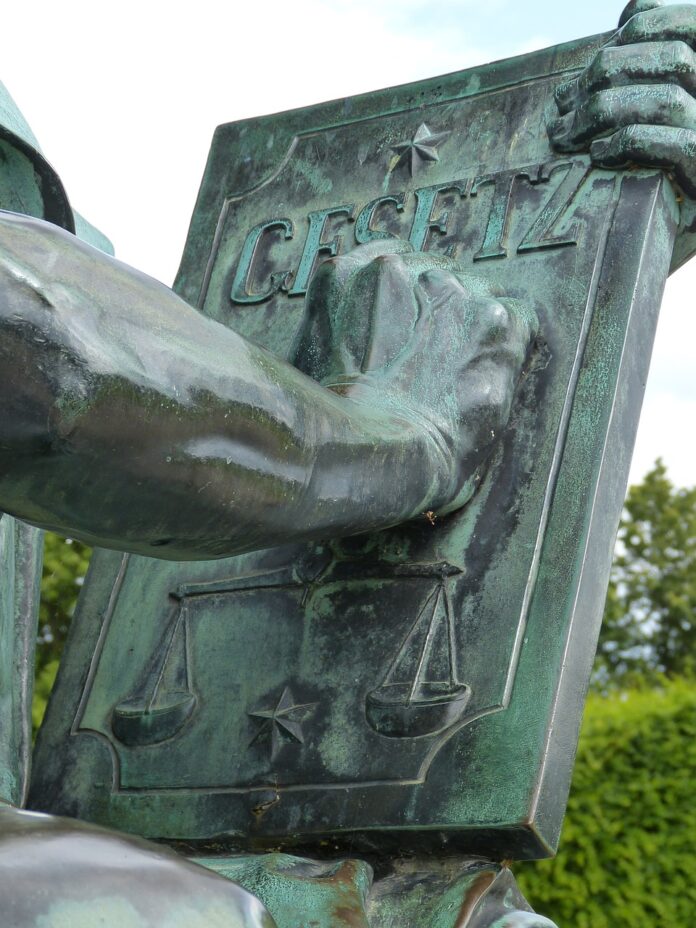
(203,475)
(133,422)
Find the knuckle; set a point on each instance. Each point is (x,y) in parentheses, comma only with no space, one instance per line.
(325,273)
(388,263)
(673,98)
(598,109)
(603,59)
(330,265)
(494,395)
(322,278)
(678,103)
(681,57)
(628,137)
(380,271)
(602,64)
(497,314)
(442,285)
(498,321)
(687,144)
(635,29)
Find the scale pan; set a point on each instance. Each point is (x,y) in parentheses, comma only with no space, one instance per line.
(394,711)
(136,723)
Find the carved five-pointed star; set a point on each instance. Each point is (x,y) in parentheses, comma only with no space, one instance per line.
(422,147)
(282,721)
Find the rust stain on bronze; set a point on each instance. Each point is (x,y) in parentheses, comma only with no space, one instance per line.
(260,810)
(351,913)
(477,891)
(349,916)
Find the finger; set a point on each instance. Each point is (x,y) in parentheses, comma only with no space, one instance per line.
(334,273)
(382,294)
(662,24)
(327,290)
(638,6)
(490,347)
(610,110)
(498,344)
(312,351)
(440,293)
(362,255)
(507,329)
(490,328)
(527,319)
(653,146)
(619,66)
(420,262)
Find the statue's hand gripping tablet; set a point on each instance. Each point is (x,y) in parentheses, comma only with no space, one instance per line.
(634,104)
(406,331)
(134,422)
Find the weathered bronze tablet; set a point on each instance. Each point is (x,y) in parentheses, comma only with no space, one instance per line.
(423,686)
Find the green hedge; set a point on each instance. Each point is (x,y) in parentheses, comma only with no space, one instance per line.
(628,850)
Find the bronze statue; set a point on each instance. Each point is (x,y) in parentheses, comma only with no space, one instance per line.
(225,441)
(135,422)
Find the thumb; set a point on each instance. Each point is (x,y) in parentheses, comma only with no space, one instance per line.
(638,6)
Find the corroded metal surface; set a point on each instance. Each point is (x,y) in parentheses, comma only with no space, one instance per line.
(28,184)
(420,685)
(21,549)
(416,688)
(453,893)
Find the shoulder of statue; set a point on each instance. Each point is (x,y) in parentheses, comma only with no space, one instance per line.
(15,131)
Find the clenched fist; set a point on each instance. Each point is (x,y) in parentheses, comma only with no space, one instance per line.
(412,333)
(635,103)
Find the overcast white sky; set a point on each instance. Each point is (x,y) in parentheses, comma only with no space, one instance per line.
(124,98)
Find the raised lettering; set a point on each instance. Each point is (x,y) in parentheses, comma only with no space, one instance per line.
(423,221)
(567,177)
(495,239)
(543,232)
(363,224)
(314,246)
(240,285)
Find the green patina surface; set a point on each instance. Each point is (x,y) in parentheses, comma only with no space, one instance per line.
(26,186)
(28,183)
(420,685)
(403,692)
(20,557)
(302,893)
(119,911)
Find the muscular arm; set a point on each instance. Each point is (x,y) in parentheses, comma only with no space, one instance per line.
(132,421)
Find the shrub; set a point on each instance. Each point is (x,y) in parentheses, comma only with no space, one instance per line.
(628,849)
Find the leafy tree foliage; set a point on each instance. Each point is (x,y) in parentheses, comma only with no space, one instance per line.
(650,616)
(64,569)
(65,565)
(628,849)
(43,684)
